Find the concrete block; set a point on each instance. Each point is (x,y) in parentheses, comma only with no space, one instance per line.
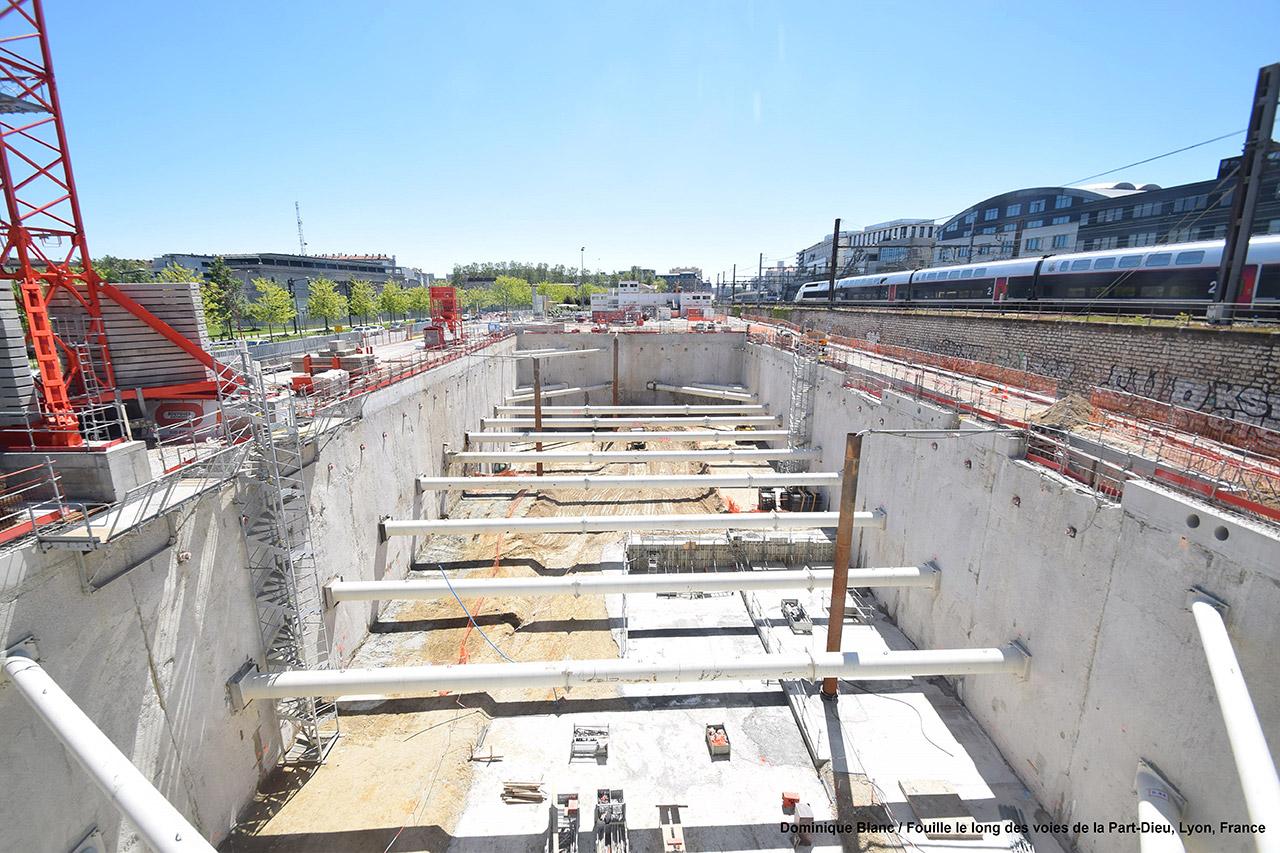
(97,476)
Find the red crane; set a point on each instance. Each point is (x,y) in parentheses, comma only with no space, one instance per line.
(45,251)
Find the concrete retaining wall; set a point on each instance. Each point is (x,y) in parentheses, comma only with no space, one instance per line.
(1095,589)
(1230,373)
(671,358)
(147,656)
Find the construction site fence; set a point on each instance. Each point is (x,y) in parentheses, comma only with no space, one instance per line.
(28,497)
(1102,450)
(99,424)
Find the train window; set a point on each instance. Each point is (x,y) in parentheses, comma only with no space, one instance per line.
(1160,259)
(1130,261)
(1080,265)
(954,274)
(980,272)
(1189,258)
(967,274)
(1104,263)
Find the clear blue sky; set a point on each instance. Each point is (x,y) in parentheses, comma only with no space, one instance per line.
(655,133)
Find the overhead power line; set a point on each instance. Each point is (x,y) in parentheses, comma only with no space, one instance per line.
(1157,157)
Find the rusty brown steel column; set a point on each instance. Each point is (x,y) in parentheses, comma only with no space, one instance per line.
(844,552)
(615,369)
(537,406)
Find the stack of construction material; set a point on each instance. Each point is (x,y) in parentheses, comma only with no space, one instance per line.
(331,383)
(522,792)
(17,390)
(357,363)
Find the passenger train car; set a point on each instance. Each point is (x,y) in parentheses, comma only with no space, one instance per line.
(1183,273)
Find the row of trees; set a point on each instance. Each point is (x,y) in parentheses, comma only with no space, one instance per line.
(228,307)
(539,273)
(513,292)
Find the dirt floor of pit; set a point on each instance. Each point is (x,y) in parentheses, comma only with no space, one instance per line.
(396,779)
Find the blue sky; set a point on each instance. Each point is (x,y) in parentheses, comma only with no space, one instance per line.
(657,133)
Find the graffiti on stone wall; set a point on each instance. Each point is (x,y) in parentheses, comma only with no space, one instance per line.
(1257,402)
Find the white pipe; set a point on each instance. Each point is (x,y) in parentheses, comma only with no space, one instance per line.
(613,523)
(614,583)
(550,353)
(161,825)
(627,435)
(1257,771)
(561,392)
(723,409)
(745,480)
(695,391)
(643,420)
(474,677)
(1159,812)
(749,454)
(742,389)
(528,389)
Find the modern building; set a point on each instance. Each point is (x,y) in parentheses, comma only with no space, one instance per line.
(295,272)
(634,299)
(1197,211)
(900,244)
(1038,220)
(685,278)
(816,259)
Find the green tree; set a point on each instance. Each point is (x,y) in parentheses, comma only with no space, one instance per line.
(324,301)
(364,299)
(660,284)
(177,272)
(121,270)
(512,292)
(274,306)
(419,300)
(393,300)
(223,297)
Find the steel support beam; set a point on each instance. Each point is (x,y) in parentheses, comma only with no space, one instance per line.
(600,436)
(582,411)
(697,391)
(409,681)
(748,454)
(161,825)
(1258,779)
(614,523)
(640,421)
(560,391)
(745,480)
(616,583)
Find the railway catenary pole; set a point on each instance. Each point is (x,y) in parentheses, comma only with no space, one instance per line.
(835,256)
(1257,147)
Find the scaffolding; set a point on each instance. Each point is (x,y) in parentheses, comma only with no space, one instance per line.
(277,529)
(804,372)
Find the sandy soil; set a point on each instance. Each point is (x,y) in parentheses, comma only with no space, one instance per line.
(396,778)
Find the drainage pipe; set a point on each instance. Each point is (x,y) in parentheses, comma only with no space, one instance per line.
(1159,812)
(161,825)
(745,480)
(1257,771)
(696,391)
(474,677)
(626,435)
(722,409)
(616,582)
(614,523)
(523,396)
(643,420)
(748,454)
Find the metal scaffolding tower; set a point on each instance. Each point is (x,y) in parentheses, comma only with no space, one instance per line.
(277,530)
(804,378)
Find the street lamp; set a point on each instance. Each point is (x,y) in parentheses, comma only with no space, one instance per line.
(294,299)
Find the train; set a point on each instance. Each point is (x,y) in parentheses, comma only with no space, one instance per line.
(1177,276)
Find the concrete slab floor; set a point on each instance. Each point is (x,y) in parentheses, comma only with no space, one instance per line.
(893,730)
(658,753)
